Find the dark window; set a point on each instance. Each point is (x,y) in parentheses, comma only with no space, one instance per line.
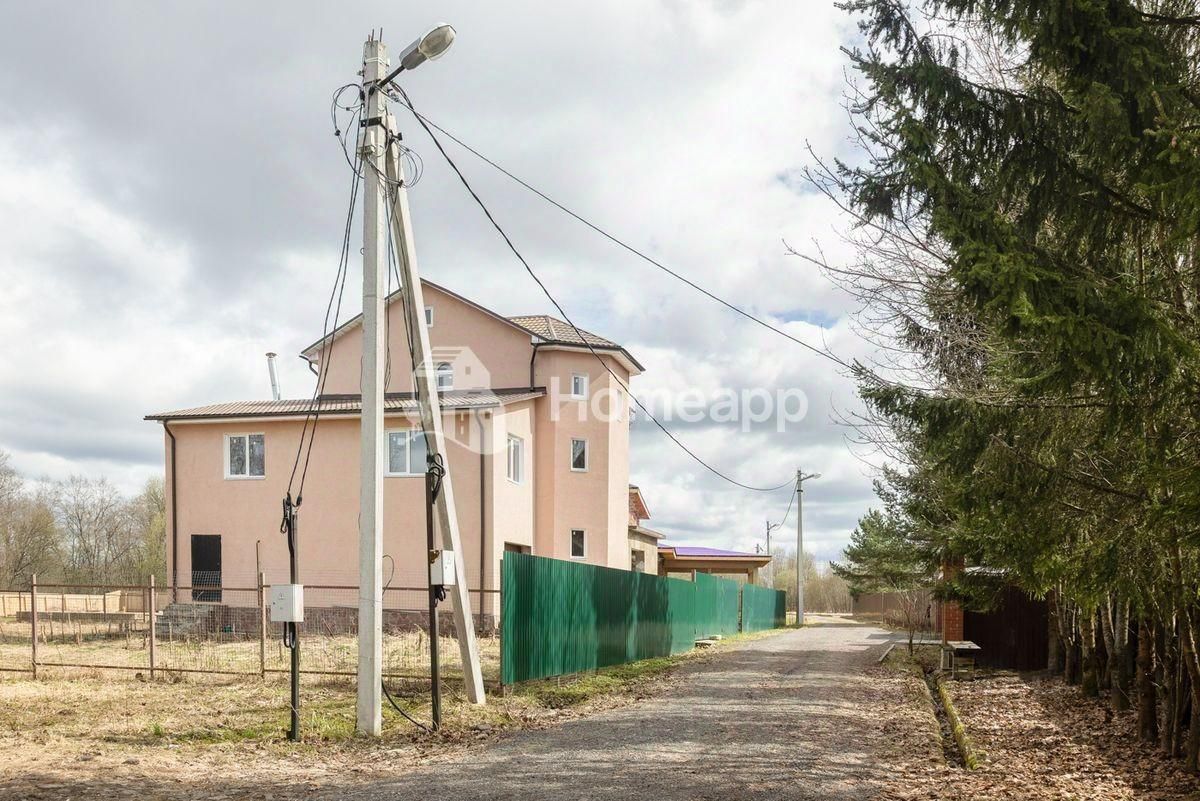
(578,549)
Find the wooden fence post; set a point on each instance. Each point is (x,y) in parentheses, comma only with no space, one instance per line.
(33,619)
(153,635)
(262,625)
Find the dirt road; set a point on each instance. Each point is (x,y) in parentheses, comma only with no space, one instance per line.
(800,715)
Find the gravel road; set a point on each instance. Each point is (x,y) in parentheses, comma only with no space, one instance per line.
(798,715)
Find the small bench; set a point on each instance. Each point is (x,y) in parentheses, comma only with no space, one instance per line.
(958,656)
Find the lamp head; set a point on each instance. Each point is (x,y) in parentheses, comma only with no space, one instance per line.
(431,46)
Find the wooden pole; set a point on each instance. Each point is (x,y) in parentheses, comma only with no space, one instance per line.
(153,637)
(262,624)
(33,619)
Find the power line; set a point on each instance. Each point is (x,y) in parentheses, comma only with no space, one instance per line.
(467,185)
(427,123)
(313,414)
(791,500)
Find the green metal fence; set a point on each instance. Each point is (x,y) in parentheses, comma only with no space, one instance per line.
(762,608)
(560,617)
(718,606)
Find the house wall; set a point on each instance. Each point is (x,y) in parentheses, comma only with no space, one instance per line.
(649,548)
(246,511)
(596,500)
(485,351)
(512,504)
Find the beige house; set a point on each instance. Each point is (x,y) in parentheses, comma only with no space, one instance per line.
(539,456)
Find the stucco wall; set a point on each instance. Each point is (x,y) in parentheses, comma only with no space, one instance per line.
(595,500)
(497,354)
(248,510)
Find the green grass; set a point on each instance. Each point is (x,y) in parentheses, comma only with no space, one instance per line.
(606,681)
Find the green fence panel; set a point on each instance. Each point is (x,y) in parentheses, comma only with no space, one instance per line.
(560,617)
(718,606)
(762,608)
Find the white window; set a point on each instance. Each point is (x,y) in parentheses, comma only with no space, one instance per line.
(579,455)
(579,385)
(429,317)
(406,452)
(516,459)
(578,544)
(245,456)
(445,376)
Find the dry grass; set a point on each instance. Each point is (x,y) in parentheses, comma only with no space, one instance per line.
(406,654)
(106,734)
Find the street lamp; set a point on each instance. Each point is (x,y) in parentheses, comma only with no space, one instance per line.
(429,46)
(801,477)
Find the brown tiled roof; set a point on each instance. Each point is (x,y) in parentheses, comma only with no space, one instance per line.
(555,330)
(350,404)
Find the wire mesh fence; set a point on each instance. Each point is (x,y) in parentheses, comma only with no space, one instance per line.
(208,630)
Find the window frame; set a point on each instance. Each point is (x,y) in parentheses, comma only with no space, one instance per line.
(429,317)
(571,542)
(230,476)
(411,431)
(520,451)
(587,459)
(587,380)
(438,373)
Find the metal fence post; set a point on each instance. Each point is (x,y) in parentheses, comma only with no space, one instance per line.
(33,619)
(153,636)
(262,625)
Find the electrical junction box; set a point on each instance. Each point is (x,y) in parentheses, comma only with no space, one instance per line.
(441,568)
(287,603)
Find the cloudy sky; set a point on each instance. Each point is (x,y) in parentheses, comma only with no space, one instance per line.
(171,203)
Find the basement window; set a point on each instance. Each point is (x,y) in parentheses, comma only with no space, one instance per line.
(406,452)
(245,456)
(578,543)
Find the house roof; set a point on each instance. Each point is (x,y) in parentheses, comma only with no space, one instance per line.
(548,330)
(552,329)
(646,532)
(335,405)
(637,503)
(701,552)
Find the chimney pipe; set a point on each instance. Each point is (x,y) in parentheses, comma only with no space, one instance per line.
(274,376)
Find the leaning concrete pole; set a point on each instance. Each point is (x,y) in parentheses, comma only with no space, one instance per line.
(370,525)
(431,419)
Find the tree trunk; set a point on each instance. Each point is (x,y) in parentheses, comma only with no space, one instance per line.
(1168,683)
(1054,642)
(1147,719)
(1087,639)
(1119,673)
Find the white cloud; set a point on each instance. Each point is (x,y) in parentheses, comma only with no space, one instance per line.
(184,217)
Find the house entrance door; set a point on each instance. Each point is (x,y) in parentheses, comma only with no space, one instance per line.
(206,568)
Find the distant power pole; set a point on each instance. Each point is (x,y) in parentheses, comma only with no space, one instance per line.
(801,477)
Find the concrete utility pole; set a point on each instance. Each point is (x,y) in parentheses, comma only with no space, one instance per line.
(370,525)
(425,378)
(801,477)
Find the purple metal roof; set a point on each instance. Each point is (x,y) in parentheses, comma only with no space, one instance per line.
(698,551)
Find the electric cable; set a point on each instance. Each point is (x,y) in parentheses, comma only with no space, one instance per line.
(479,201)
(397,707)
(791,500)
(613,238)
